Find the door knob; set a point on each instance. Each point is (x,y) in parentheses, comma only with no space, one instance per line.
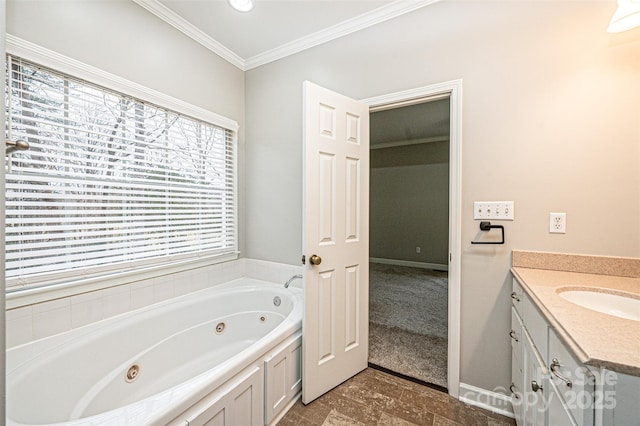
(315,259)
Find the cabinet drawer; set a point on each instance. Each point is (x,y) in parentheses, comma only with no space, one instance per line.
(516,296)
(516,333)
(575,383)
(533,321)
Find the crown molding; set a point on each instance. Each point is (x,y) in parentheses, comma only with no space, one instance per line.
(376,16)
(190,30)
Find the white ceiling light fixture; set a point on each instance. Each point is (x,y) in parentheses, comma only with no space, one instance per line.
(241,5)
(626,17)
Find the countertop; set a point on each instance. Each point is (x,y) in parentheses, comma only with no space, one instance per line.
(597,339)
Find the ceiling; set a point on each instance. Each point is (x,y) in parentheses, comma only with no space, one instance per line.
(274,28)
(277,28)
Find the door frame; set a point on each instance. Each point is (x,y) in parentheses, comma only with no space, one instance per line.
(453,90)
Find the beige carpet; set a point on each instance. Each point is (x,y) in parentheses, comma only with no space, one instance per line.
(408,321)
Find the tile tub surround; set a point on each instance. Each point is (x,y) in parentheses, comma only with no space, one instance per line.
(40,320)
(597,339)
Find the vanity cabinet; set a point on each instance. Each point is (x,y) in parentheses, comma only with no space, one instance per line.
(551,387)
(529,373)
(536,398)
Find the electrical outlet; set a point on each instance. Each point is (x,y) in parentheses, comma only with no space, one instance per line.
(418,249)
(496,210)
(557,223)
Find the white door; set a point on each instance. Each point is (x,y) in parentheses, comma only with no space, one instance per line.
(336,238)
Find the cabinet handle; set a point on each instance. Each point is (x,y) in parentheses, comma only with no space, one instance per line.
(515,394)
(514,296)
(513,335)
(555,364)
(535,386)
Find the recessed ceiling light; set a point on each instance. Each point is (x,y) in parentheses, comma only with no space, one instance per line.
(241,5)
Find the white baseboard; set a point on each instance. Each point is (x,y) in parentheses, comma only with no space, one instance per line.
(424,265)
(495,402)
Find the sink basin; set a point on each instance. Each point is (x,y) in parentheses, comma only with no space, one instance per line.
(610,303)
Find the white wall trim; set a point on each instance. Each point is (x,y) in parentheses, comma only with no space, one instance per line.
(493,401)
(3,341)
(454,90)
(48,58)
(412,96)
(376,16)
(190,30)
(423,265)
(396,144)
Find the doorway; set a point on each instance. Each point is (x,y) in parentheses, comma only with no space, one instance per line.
(320,122)
(408,234)
(451,91)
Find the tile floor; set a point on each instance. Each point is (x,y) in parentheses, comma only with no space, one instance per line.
(377,398)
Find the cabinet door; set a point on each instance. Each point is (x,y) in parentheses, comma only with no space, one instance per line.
(283,378)
(618,404)
(517,296)
(557,412)
(240,403)
(535,385)
(517,366)
(575,383)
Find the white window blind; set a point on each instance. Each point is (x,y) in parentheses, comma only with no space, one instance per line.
(109,182)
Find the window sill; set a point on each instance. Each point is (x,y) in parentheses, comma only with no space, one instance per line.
(22,297)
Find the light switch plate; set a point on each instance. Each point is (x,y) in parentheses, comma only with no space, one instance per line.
(495,210)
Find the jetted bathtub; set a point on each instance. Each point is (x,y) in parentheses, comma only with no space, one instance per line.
(182,361)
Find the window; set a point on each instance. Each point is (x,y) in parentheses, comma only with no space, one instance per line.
(110,182)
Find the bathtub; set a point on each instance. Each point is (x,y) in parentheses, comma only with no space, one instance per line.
(175,362)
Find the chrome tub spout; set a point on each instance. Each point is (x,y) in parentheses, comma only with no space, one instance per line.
(295,277)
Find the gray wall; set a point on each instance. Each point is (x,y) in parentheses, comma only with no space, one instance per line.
(124,39)
(551,106)
(409,203)
(550,120)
